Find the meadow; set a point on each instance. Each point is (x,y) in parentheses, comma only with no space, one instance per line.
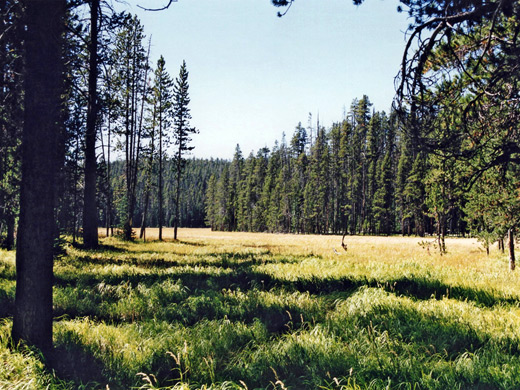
(265,311)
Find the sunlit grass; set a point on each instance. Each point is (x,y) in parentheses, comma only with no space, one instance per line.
(218,310)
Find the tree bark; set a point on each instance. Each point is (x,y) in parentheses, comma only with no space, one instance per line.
(32,320)
(511,243)
(160,181)
(177,193)
(90,223)
(142,233)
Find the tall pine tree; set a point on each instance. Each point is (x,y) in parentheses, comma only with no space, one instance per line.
(182,132)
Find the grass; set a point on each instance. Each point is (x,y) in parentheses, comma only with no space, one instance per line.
(263,311)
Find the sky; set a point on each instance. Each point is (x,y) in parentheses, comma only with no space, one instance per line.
(254,76)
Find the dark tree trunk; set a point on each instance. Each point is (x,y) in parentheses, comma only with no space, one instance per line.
(32,320)
(160,181)
(90,225)
(142,233)
(511,243)
(177,194)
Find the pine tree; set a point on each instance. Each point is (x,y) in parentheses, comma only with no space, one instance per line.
(345,161)
(336,168)
(442,193)
(211,203)
(384,203)
(222,214)
(90,218)
(235,180)
(414,194)
(247,196)
(316,194)
(493,207)
(269,196)
(131,66)
(259,212)
(182,132)
(375,135)
(298,178)
(162,100)
(360,117)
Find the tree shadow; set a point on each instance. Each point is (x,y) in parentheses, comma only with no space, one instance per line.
(6,303)
(101,248)
(71,362)
(239,272)
(190,243)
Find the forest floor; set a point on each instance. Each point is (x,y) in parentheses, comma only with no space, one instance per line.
(250,311)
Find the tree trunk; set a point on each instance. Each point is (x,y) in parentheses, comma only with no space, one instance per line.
(32,320)
(90,234)
(160,181)
(177,194)
(109,222)
(145,212)
(441,233)
(511,243)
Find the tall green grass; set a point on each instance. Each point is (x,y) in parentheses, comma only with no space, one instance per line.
(217,314)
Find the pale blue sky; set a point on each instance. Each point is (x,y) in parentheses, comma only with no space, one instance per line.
(254,76)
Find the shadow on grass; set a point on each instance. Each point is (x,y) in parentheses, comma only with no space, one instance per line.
(6,308)
(237,271)
(190,243)
(206,281)
(424,341)
(201,295)
(6,303)
(220,260)
(72,362)
(433,332)
(101,248)
(423,288)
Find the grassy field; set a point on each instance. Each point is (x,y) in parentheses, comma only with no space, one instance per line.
(262,311)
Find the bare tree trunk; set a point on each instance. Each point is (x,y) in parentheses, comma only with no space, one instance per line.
(343,243)
(110,214)
(160,181)
(142,233)
(441,232)
(90,233)
(177,194)
(32,321)
(511,242)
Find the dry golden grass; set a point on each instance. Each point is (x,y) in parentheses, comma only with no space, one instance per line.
(465,259)
(462,252)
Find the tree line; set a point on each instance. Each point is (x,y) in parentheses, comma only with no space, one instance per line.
(446,159)
(192,203)
(357,177)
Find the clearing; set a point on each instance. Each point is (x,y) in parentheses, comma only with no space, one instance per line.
(270,311)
